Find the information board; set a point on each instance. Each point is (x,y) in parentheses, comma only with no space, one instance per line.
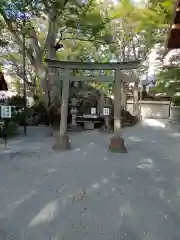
(106,111)
(6,111)
(93,110)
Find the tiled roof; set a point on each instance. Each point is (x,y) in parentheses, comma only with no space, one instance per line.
(173,40)
(3,84)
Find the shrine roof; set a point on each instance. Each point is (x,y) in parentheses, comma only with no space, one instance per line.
(3,83)
(173,39)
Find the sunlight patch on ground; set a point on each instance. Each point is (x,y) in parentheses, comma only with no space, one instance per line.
(125,210)
(25,197)
(174,135)
(178,192)
(177,179)
(52,170)
(154,123)
(135,139)
(144,166)
(157,179)
(96,185)
(105,180)
(77,149)
(146,163)
(161,193)
(146,160)
(46,215)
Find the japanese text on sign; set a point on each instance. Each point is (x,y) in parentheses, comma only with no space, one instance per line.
(5,111)
(106,111)
(93,110)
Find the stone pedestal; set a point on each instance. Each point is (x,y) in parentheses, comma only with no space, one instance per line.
(74,127)
(61,142)
(107,128)
(117,145)
(89,125)
(73,122)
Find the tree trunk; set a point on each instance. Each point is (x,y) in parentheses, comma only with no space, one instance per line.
(51,51)
(136,101)
(117,104)
(33,50)
(62,139)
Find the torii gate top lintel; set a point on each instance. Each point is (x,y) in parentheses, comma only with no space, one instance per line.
(93,66)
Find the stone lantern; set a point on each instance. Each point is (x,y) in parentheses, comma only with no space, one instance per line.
(73,102)
(74,111)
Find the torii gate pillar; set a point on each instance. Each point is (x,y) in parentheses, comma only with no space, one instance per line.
(136,110)
(62,140)
(117,142)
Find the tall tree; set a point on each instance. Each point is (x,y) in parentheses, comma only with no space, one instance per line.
(64,20)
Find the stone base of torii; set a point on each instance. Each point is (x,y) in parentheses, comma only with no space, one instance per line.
(62,140)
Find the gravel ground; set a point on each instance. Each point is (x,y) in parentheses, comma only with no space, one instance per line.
(88,193)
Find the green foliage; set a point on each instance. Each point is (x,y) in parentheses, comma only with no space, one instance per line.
(3,43)
(85,30)
(176,100)
(19,117)
(16,101)
(77,25)
(141,26)
(12,128)
(168,81)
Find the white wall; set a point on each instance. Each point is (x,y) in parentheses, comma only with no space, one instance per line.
(152,109)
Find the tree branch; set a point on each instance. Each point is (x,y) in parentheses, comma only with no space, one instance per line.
(35,44)
(12,60)
(46,5)
(87,40)
(21,75)
(61,35)
(52,23)
(17,38)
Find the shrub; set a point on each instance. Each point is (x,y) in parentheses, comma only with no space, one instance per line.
(18,116)
(11,129)
(176,100)
(40,110)
(16,101)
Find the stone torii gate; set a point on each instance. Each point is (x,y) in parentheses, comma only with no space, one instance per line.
(54,66)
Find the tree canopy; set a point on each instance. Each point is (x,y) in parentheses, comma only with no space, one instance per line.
(79,30)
